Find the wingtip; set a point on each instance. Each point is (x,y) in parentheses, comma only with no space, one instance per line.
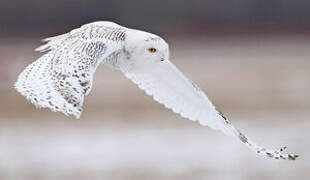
(289,156)
(293,156)
(280,155)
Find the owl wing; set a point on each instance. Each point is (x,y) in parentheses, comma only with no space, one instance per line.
(171,88)
(61,78)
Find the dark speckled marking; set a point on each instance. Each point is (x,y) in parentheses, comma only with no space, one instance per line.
(83,84)
(153,39)
(127,54)
(292,157)
(243,138)
(195,87)
(224,117)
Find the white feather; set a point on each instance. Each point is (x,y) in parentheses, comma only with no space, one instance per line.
(171,88)
(61,78)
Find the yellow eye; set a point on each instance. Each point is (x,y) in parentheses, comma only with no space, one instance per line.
(152,50)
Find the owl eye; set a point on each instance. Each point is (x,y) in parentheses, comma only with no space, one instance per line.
(152,50)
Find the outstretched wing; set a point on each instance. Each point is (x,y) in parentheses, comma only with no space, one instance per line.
(59,79)
(171,88)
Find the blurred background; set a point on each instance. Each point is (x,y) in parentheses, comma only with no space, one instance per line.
(251,58)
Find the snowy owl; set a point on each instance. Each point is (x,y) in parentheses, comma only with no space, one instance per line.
(61,78)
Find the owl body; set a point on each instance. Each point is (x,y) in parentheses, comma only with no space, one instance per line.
(63,76)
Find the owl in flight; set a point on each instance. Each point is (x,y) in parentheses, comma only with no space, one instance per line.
(61,78)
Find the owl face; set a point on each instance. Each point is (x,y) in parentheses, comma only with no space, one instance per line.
(147,50)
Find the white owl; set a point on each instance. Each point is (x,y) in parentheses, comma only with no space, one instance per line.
(61,78)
